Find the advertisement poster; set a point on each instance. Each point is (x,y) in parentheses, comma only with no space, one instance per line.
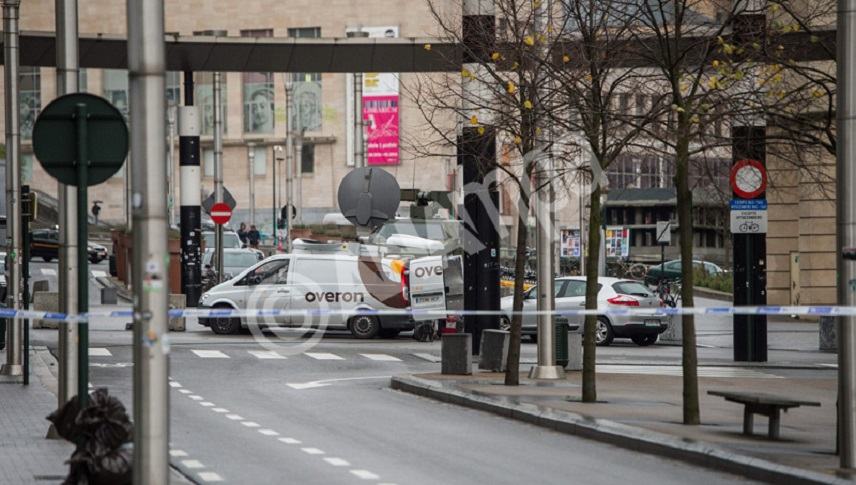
(617,242)
(380,109)
(570,245)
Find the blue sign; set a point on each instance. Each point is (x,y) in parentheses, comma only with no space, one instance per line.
(748,204)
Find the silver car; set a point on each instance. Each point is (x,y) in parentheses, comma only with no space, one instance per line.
(614,292)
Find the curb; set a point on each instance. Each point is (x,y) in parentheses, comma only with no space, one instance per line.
(712,294)
(625,436)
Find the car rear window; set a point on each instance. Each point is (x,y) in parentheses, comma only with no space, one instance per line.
(631,288)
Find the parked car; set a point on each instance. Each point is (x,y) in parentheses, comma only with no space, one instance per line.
(671,270)
(44,243)
(612,293)
(97,253)
(230,239)
(234,260)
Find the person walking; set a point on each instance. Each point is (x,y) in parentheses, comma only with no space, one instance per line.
(253,236)
(242,233)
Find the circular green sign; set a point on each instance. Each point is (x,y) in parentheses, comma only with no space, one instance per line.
(80,125)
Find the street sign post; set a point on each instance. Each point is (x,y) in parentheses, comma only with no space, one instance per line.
(664,238)
(221,213)
(81,140)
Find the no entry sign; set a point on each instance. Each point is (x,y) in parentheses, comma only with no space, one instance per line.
(748,179)
(220,213)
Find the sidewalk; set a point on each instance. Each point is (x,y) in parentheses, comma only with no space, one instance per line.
(25,455)
(644,412)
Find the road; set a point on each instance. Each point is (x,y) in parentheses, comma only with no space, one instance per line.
(242,412)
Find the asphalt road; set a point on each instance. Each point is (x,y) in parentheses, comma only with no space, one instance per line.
(242,414)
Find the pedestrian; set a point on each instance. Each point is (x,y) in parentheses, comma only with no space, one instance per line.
(242,233)
(253,236)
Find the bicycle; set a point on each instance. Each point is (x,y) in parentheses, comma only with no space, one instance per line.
(669,292)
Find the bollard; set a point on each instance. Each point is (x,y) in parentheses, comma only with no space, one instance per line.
(177,301)
(46,301)
(456,353)
(674,334)
(827,340)
(494,350)
(575,348)
(109,296)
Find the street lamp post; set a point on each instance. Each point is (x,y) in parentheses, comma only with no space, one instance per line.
(251,171)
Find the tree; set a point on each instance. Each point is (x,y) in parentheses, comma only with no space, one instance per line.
(502,98)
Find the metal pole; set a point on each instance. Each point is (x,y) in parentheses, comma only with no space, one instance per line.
(251,171)
(544,235)
(146,67)
(67,82)
(190,217)
(298,163)
(170,170)
(82,262)
(14,343)
(218,173)
(274,151)
(289,162)
(846,176)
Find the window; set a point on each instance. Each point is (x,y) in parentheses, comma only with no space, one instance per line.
(204,98)
(271,273)
(82,80)
(259,160)
(573,288)
(26,168)
(306,115)
(173,87)
(307,158)
(115,85)
(30,89)
(258,94)
(208,162)
(631,288)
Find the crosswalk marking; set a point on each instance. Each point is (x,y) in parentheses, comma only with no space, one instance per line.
(674,370)
(192,463)
(177,453)
(323,356)
(99,352)
(381,357)
(48,271)
(365,474)
(98,273)
(174,384)
(210,354)
(337,461)
(210,477)
(265,354)
(429,357)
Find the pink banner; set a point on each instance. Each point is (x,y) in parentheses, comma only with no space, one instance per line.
(380,114)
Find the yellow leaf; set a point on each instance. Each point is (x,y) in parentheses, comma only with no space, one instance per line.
(529,40)
(713,83)
(517,140)
(677,108)
(427,47)
(465,73)
(715,64)
(481,130)
(495,56)
(527,104)
(695,119)
(474,120)
(774,7)
(537,131)
(817,93)
(515,66)
(566,58)
(814,39)
(511,87)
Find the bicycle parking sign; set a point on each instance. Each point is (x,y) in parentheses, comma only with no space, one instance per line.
(748,216)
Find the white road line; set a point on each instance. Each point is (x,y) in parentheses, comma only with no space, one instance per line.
(196,398)
(98,273)
(99,352)
(429,357)
(185,391)
(337,461)
(265,354)
(210,354)
(323,356)
(174,384)
(235,417)
(312,451)
(220,410)
(210,477)
(290,441)
(177,453)
(365,474)
(327,382)
(268,432)
(48,271)
(250,424)
(206,404)
(381,357)
(192,463)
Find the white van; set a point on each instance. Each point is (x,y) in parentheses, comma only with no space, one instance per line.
(348,284)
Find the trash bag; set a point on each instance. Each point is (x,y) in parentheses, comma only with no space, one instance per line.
(103,433)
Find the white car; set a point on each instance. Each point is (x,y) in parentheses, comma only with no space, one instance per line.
(614,292)
(351,286)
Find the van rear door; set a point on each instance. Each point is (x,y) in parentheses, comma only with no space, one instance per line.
(427,288)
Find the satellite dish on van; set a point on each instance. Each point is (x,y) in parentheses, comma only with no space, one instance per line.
(369,196)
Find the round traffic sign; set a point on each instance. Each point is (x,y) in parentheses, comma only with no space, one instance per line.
(75,124)
(220,213)
(748,178)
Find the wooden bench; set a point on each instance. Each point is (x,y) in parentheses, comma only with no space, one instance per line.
(763,404)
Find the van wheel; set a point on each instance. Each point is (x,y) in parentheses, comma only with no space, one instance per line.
(364,326)
(226,326)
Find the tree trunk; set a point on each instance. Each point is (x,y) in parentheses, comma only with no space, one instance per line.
(685,224)
(589,344)
(512,371)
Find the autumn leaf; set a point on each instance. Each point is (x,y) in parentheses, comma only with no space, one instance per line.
(427,47)
(511,87)
(527,104)
(529,40)
(474,120)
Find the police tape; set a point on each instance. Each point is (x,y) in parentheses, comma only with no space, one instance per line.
(213,313)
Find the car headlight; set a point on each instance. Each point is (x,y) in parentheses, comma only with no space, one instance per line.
(204,297)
